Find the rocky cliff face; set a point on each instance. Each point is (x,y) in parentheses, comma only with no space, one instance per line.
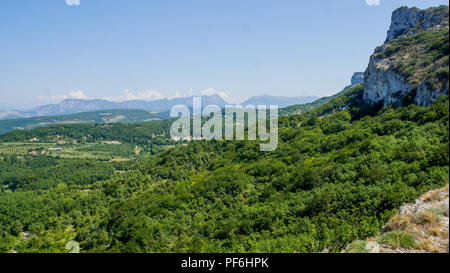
(357,78)
(407,22)
(382,82)
(413,63)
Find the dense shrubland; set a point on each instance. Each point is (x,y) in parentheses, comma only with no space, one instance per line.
(339,173)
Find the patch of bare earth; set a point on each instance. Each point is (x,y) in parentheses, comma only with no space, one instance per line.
(425,222)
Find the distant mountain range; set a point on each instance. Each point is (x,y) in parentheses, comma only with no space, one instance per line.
(280,101)
(73,106)
(73,111)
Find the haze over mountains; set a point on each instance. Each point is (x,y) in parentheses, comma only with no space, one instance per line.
(73,106)
(85,111)
(278,100)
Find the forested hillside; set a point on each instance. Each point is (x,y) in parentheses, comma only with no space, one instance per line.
(341,170)
(99,117)
(302,108)
(334,178)
(138,133)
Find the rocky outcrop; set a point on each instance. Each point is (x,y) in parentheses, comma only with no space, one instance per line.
(357,78)
(385,78)
(382,82)
(425,222)
(425,95)
(404,20)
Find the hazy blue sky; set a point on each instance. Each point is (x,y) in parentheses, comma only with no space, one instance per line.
(125,49)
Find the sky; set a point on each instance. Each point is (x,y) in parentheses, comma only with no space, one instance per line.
(151,49)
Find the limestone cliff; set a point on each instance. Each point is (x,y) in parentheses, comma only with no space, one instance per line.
(357,78)
(412,66)
(407,22)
